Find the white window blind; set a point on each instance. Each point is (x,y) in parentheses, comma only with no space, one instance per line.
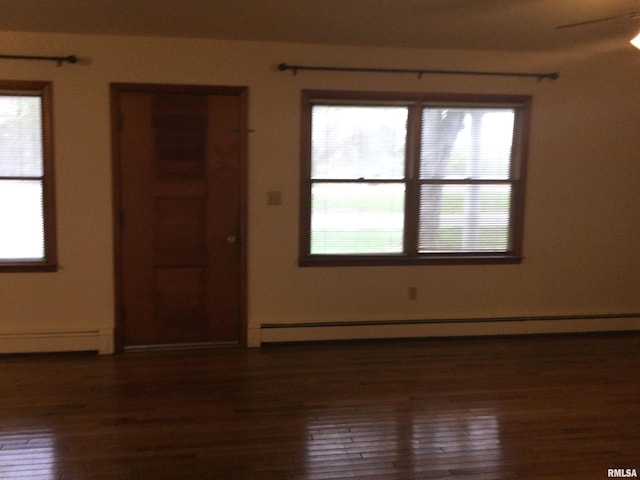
(21,178)
(357,173)
(465,176)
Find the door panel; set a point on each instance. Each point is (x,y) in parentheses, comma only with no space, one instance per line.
(180,165)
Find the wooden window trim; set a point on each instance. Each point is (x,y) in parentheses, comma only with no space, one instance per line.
(49,263)
(513,256)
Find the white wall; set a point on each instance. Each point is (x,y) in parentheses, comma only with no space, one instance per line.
(581,226)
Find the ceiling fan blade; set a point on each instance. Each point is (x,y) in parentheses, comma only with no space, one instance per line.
(598,20)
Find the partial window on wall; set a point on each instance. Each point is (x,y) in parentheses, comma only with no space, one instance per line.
(27,239)
(400,179)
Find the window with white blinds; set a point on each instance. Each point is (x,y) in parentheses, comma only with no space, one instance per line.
(26,198)
(401,179)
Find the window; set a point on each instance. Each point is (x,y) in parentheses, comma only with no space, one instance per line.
(412,179)
(27,241)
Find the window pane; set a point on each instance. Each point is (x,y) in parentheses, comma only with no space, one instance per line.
(356,218)
(351,142)
(20,136)
(472,143)
(22,220)
(464,218)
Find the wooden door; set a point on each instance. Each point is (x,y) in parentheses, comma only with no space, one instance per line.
(180,166)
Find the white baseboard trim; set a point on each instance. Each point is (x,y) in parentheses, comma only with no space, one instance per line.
(100,341)
(300,332)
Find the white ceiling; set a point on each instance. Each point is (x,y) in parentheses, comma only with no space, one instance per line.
(520,25)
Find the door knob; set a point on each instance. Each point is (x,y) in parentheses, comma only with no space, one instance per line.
(232,238)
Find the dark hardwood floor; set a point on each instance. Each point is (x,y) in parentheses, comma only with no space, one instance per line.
(557,407)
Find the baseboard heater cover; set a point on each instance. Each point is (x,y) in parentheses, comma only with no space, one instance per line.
(179,346)
(100,341)
(283,332)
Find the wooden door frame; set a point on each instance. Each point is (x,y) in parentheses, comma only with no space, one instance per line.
(116,89)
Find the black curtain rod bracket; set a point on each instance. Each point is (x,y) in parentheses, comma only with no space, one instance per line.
(58,60)
(420,73)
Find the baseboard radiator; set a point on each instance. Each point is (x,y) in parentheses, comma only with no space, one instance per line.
(380,329)
(100,341)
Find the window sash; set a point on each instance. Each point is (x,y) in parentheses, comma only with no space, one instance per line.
(367,142)
(27,213)
(465,217)
(495,236)
(357,217)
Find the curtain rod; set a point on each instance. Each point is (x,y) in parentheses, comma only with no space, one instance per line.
(540,76)
(58,60)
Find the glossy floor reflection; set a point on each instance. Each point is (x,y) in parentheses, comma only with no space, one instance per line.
(28,454)
(375,441)
(531,408)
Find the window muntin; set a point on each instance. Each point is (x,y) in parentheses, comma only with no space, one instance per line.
(26,197)
(402,179)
